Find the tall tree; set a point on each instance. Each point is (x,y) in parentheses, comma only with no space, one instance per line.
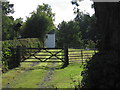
(84,23)
(108,24)
(69,34)
(102,71)
(87,25)
(7,21)
(40,23)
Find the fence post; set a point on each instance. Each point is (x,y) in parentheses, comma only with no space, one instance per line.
(94,51)
(18,55)
(66,62)
(82,56)
(14,61)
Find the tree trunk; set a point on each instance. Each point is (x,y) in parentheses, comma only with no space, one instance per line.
(108,23)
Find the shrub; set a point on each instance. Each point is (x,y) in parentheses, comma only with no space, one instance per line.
(9,56)
(90,44)
(102,71)
(6,54)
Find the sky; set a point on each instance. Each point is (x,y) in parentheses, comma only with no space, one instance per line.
(63,9)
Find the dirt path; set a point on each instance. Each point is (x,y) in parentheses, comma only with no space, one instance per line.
(48,76)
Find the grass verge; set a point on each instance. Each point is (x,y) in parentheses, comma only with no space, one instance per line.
(67,77)
(24,76)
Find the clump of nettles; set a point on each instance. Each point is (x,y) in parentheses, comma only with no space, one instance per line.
(102,71)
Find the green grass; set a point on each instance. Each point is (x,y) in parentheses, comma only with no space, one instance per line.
(67,77)
(24,76)
(0,65)
(30,79)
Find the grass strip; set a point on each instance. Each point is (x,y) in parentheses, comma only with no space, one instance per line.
(67,77)
(24,75)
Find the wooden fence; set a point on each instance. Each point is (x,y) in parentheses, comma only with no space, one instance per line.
(64,55)
(80,55)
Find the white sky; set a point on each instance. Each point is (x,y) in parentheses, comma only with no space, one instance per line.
(62,8)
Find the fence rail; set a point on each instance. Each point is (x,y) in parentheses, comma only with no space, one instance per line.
(81,55)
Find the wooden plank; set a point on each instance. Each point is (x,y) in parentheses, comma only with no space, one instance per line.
(44,58)
(75,51)
(48,55)
(44,48)
(42,61)
(79,58)
(75,56)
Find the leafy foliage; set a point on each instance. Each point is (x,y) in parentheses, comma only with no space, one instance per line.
(9,31)
(90,44)
(6,54)
(87,26)
(80,32)
(101,71)
(68,34)
(7,8)
(9,60)
(7,28)
(40,23)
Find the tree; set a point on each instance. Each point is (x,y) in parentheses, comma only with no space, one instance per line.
(102,71)
(17,27)
(84,23)
(68,34)
(7,8)
(87,31)
(92,29)
(87,25)
(108,24)
(40,23)
(7,21)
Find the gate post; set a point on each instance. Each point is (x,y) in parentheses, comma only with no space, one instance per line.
(18,55)
(15,58)
(66,62)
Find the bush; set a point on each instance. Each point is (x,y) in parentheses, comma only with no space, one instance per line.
(9,49)
(102,71)
(6,54)
(90,44)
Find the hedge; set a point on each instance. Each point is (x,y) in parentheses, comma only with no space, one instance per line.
(9,54)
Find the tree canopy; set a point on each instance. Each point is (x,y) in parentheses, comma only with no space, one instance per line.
(40,23)
(102,71)
(80,32)
(68,34)
(7,21)
(7,8)
(9,30)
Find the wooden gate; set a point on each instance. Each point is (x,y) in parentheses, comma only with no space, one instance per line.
(42,55)
(64,55)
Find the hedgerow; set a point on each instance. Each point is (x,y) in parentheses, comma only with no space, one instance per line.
(9,60)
